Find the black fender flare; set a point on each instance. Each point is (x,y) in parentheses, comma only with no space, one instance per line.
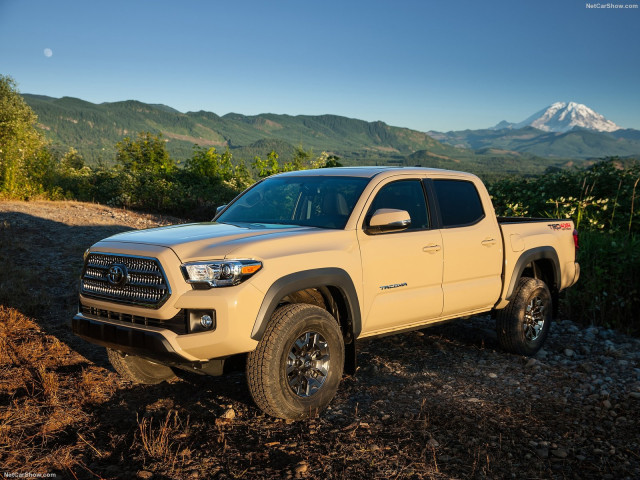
(538,253)
(320,277)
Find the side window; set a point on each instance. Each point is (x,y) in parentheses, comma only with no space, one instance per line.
(403,195)
(459,203)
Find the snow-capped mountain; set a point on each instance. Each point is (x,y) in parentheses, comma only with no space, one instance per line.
(562,117)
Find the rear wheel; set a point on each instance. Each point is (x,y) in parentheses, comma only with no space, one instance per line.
(523,325)
(296,368)
(139,370)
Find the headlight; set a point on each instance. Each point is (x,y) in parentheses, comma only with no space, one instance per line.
(222,273)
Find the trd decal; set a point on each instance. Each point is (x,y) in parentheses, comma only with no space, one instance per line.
(560,226)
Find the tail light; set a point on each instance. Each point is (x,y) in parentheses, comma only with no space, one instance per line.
(575,238)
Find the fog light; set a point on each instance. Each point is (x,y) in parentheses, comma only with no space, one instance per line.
(206,321)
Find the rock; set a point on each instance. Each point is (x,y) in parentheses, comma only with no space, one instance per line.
(492,375)
(606,404)
(569,353)
(433,443)
(144,474)
(473,400)
(542,452)
(635,395)
(559,453)
(229,414)
(531,362)
(301,468)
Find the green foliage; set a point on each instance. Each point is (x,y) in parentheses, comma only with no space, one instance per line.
(22,159)
(147,153)
(601,198)
(267,167)
(608,292)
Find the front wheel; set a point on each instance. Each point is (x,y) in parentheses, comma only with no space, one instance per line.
(523,325)
(296,368)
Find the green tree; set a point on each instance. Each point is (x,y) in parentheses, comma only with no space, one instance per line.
(301,160)
(332,161)
(267,167)
(210,164)
(20,143)
(147,153)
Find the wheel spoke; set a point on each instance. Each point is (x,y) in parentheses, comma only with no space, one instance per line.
(307,364)
(534,318)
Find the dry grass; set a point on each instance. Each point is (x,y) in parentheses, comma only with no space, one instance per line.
(39,405)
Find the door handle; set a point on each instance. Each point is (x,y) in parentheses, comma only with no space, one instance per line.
(489,242)
(432,248)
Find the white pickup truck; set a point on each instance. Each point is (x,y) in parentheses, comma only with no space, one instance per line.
(302,264)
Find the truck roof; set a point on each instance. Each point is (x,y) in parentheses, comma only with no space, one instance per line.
(366,172)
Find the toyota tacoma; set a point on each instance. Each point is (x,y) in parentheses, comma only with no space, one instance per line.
(301,265)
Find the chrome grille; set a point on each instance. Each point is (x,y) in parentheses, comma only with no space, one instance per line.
(146,283)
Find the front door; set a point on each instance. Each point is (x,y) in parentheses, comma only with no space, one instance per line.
(402,271)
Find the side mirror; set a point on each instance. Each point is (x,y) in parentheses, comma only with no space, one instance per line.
(219,209)
(388,220)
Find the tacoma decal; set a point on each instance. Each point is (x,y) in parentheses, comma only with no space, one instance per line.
(395,285)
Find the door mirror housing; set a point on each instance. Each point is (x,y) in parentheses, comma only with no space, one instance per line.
(219,209)
(388,220)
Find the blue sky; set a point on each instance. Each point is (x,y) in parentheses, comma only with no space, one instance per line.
(427,65)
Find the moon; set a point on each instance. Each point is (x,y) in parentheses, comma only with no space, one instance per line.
(48,52)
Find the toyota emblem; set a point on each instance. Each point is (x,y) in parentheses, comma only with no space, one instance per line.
(118,275)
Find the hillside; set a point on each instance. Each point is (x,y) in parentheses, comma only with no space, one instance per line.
(94,129)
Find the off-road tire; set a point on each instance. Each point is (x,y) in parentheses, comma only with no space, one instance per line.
(523,325)
(267,376)
(139,370)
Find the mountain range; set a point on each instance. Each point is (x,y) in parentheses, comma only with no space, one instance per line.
(94,129)
(564,130)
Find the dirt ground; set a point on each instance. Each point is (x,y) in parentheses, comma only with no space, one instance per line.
(439,403)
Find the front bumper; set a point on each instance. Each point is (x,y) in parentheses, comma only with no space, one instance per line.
(148,342)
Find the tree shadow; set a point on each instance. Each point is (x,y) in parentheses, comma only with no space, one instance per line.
(42,260)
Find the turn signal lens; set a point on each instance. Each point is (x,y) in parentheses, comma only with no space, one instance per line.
(251,269)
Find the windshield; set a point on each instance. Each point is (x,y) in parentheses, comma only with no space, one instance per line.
(324,202)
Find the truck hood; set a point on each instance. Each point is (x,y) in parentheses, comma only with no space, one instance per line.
(200,241)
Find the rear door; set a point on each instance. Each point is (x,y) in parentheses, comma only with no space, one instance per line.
(472,247)
(402,271)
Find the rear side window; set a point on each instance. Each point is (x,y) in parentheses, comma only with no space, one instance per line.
(459,202)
